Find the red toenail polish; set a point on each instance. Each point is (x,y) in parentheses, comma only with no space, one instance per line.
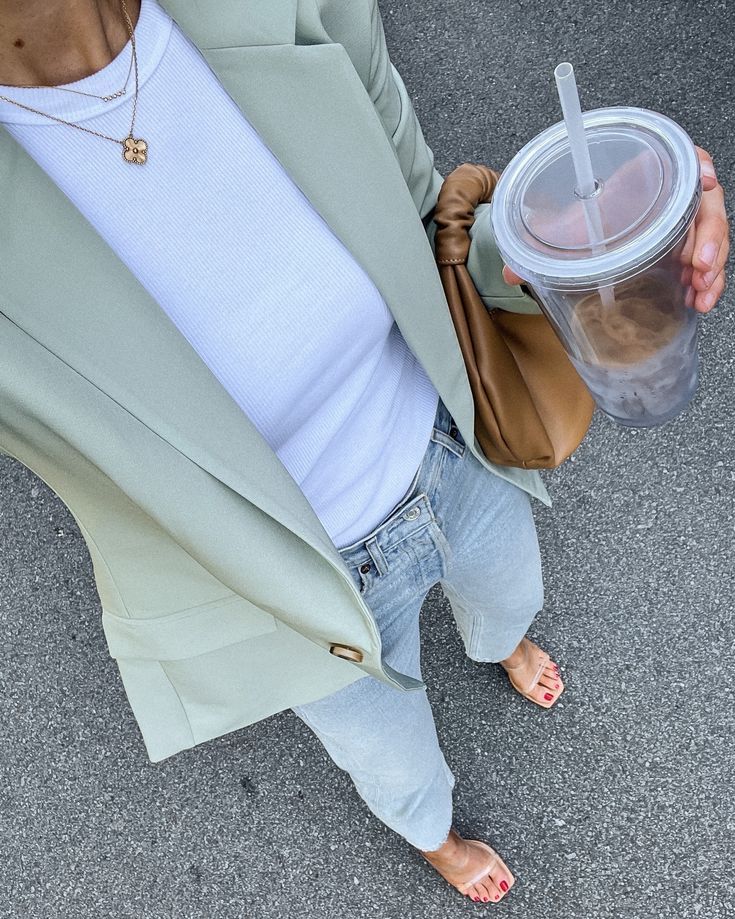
(503,886)
(485,899)
(548,696)
(556,685)
(497,897)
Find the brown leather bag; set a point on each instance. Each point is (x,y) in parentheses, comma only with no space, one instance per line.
(532,410)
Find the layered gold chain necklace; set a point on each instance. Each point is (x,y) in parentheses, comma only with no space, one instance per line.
(134,150)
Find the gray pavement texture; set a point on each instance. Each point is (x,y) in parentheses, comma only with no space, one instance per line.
(617,803)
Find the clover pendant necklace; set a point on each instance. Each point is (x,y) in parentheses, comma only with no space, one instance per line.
(134,149)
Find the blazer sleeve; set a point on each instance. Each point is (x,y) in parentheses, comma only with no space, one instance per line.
(393,104)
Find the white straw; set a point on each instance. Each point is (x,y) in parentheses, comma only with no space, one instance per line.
(586,185)
(569,98)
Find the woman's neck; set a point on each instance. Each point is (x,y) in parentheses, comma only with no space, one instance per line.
(49,42)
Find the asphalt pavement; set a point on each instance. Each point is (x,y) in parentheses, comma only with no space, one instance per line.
(616,804)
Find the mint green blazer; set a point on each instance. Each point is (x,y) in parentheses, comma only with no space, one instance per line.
(223,599)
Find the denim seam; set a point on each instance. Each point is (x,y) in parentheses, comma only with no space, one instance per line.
(470,610)
(445,550)
(437,473)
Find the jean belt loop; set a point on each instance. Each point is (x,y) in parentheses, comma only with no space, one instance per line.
(376,554)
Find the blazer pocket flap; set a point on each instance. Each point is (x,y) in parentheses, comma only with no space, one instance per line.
(188,632)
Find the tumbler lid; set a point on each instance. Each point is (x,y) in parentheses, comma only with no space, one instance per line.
(647,193)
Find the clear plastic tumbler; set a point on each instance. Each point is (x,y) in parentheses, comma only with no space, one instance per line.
(620,300)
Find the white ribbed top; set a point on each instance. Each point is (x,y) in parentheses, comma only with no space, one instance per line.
(246,268)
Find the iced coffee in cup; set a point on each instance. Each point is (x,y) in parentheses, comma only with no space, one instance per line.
(606,253)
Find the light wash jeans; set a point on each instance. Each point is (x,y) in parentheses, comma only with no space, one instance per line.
(473,532)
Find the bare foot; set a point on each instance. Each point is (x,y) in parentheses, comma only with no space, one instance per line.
(472,867)
(534,674)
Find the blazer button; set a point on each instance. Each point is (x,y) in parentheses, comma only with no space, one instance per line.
(348,654)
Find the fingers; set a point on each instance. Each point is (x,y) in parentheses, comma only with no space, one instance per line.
(711,242)
(707,167)
(705,300)
(687,253)
(711,248)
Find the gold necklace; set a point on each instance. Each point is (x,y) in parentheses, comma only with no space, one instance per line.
(79,92)
(135,150)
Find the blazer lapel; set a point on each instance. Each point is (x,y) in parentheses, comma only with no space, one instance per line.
(62,284)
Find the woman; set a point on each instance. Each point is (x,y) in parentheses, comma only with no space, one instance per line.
(225,346)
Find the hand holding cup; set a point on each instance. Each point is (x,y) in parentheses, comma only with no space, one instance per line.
(705,253)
